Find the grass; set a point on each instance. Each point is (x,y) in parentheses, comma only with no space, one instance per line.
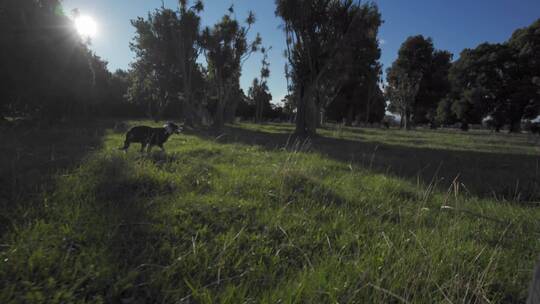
(488,165)
(251,217)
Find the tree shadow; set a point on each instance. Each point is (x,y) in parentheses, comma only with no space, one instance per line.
(123,207)
(33,156)
(482,174)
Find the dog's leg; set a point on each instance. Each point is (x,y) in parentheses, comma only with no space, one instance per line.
(126,146)
(162,148)
(143,145)
(149,148)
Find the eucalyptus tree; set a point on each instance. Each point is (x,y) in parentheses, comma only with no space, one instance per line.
(318,33)
(226,48)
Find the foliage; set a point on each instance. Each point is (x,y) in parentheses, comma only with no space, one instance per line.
(445,115)
(258,92)
(47,70)
(165,71)
(417,80)
(323,38)
(226,47)
(502,76)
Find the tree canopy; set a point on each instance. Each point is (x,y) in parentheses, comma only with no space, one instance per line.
(323,36)
(418,80)
(47,70)
(499,82)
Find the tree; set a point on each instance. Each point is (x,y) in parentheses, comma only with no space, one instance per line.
(502,79)
(467,107)
(235,97)
(362,100)
(260,98)
(445,115)
(246,107)
(258,92)
(376,106)
(434,87)
(47,70)
(289,108)
(167,47)
(525,44)
(117,103)
(418,80)
(483,84)
(401,91)
(189,50)
(470,76)
(317,33)
(226,48)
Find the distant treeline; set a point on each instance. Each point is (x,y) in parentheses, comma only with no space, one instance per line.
(494,84)
(333,70)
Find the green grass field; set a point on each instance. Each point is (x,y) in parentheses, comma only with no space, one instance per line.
(254,216)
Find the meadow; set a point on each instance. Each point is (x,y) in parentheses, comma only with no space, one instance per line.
(355,215)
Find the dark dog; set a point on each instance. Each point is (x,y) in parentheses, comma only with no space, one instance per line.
(149,137)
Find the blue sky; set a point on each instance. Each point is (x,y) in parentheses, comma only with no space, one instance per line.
(453,25)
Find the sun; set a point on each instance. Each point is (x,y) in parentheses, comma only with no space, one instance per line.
(86,26)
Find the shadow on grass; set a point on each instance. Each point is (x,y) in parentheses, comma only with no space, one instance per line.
(32,156)
(483,174)
(124,201)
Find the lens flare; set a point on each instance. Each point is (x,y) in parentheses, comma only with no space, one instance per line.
(86,26)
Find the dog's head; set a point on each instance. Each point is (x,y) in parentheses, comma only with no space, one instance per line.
(173,128)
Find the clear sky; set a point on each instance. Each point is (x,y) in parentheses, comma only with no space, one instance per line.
(453,25)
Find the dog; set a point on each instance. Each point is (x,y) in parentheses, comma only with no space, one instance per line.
(149,137)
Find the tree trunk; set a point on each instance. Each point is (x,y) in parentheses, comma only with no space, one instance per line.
(368,111)
(301,114)
(322,117)
(218,116)
(350,116)
(515,126)
(407,120)
(190,115)
(312,118)
(318,115)
(368,104)
(220,108)
(231,111)
(258,110)
(306,115)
